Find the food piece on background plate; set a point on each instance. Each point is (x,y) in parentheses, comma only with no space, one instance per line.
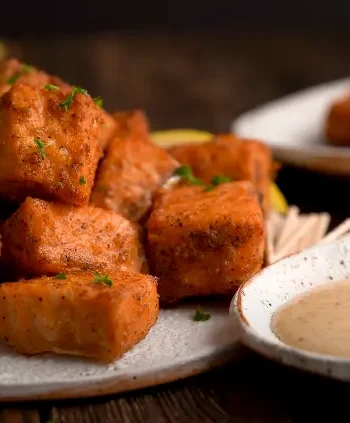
(233,157)
(84,313)
(48,144)
(132,170)
(338,122)
(203,242)
(47,238)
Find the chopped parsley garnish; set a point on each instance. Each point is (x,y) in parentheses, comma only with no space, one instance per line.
(41,147)
(102,279)
(82,180)
(185,173)
(12,79)
(217,180)
(201,315)
(51,87)
(25,69)
(101,188)
(69,100)
(61,276)
(98,101)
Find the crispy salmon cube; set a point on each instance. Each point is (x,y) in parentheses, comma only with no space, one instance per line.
(130,173)
(107,129)
(132,122)
(47,238)
(47,151)
(338,122)
(13,72)
(228,155)
(84,314)
(205,243)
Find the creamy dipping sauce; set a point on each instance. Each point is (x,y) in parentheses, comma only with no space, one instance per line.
(317,321)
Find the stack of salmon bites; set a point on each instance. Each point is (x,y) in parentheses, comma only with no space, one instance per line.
(78,289)
(108,224)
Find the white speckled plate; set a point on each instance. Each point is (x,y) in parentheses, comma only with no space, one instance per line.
(294,128)
(176,347)
(255,302)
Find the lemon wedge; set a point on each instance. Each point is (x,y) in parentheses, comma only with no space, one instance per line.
(175,137)
(278,201)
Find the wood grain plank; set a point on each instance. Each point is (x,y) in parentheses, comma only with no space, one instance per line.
(12,415)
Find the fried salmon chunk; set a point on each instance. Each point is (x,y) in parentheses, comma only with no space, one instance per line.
(47,238)
(84,314)
(338,122)
(228,155)
(132,170)
(48,144)
(107,129)
(205,243)
(13,72)
(133,122)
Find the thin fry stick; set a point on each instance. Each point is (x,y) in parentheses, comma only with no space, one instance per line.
(337,232)
(299,231)
(289,225)
(321,227)
(313,227)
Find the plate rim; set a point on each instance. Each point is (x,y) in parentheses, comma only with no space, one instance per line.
(116,384)
(321,151)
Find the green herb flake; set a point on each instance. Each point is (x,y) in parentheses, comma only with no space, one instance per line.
(61,276)
(201,315)
(82,180)
(217,180)
(41,147)
(98,101)
(185,173)
(101,188)
(25,70)
(13,79)
(51,87)
(102,279)
(67,102)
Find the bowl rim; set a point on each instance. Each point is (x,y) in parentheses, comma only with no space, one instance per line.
(274,349)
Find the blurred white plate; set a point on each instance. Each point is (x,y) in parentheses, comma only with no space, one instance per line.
(256,301)
(294,128)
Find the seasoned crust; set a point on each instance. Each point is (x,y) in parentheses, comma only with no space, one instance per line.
(64,169)
(132,169)
(205,243)
(47,238)
(228,155)
(77,316)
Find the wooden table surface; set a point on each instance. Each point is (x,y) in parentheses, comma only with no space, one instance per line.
(204,81)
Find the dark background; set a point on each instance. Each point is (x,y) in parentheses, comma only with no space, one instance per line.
(62,16)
